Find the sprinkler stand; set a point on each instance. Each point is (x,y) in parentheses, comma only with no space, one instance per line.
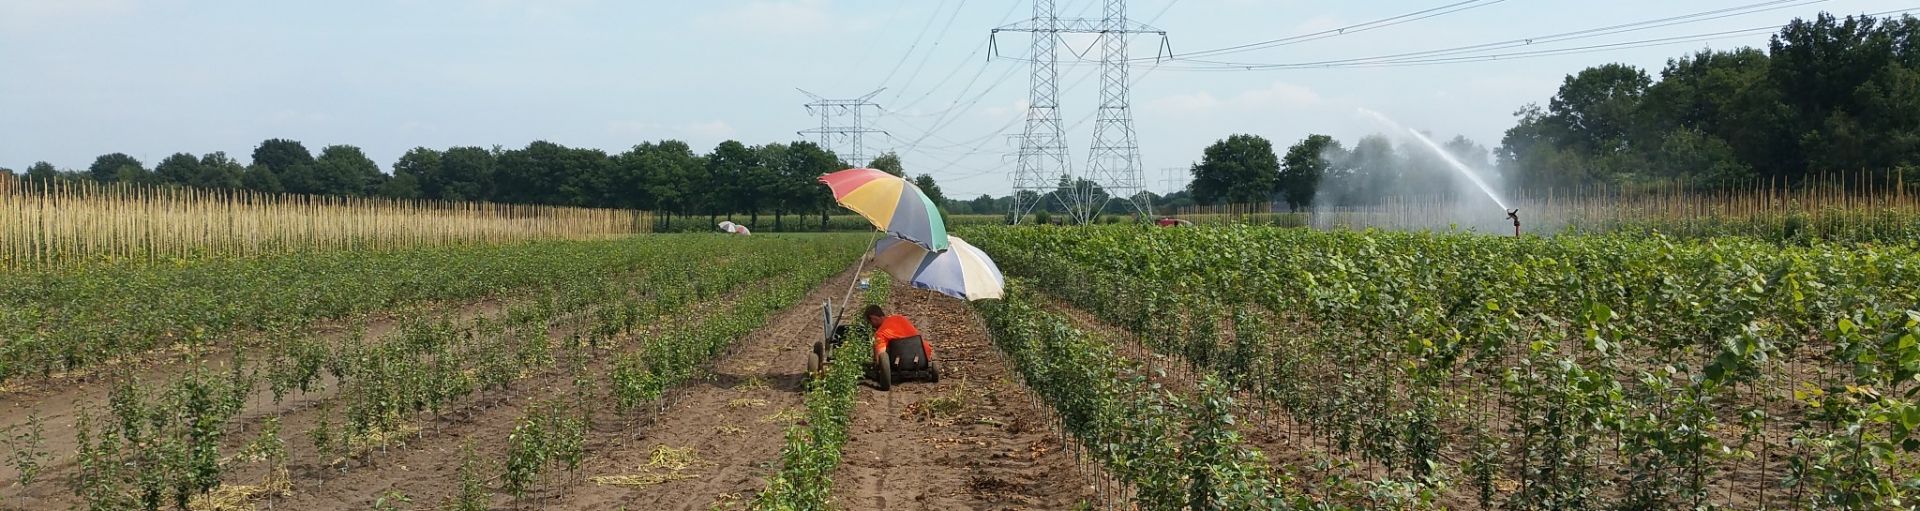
(1514,214)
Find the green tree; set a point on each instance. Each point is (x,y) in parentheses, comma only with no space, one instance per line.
(932,189)
(760,183)
(413,173)
(627,175)
(530,175)
(345,170)
(722,190)
(890,163)
(219,172)
(1595,109)
(1240,169)
(290,163)
(584,176)
(109,167)
(261,179)
(42,171)
(180,168)
(805,163)
(672,169)
(464,174)
(1302,168)
(1371,172)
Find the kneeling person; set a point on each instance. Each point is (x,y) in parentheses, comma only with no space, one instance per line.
(889,328)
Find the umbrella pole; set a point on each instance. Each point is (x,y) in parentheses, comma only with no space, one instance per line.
(851,284)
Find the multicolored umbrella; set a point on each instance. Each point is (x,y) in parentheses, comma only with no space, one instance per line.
(962,271)
(892,203)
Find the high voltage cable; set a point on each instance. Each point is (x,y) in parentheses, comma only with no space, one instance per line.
(930,49)
(1645,43)
(941,122)
(866,51)
(976,75)
(916,43)
(1642,43)
(1350,29)
(1070,87)
(1526,41)
(1076,124)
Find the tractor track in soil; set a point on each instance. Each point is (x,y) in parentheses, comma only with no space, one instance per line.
(975,440)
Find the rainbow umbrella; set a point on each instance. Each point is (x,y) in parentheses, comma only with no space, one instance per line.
(892,203)
(962,272)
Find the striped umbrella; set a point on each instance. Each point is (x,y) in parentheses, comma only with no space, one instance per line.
(892,203)
(962,272)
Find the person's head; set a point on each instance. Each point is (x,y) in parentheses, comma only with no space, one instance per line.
(874,315)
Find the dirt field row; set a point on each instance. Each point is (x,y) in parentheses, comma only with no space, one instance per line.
(971,441)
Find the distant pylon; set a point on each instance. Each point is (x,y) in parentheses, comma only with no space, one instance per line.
(853,132)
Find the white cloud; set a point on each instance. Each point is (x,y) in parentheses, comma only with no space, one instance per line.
(770,17)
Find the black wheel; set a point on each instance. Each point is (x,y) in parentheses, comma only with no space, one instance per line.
(933,371)
(886,375)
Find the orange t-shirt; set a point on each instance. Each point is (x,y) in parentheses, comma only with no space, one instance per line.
(892,327)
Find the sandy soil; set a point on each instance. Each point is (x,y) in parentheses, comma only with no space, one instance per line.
(56,401)
(975,440)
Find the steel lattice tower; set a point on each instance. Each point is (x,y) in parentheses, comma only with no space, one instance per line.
(1043,145)
(830,109)
(1114,162)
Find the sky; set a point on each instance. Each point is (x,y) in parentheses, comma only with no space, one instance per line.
(81,78)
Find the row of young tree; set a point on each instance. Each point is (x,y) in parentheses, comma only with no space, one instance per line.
(666,177)
(1827,96)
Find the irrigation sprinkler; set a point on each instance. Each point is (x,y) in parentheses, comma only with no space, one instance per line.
(1514,214)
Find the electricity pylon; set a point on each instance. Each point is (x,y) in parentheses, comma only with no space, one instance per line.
(829,132)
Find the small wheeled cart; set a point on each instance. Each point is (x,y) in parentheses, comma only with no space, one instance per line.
(908,359)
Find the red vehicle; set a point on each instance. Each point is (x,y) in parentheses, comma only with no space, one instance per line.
(1173,222)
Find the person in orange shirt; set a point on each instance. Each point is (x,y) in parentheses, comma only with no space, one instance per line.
(888,328)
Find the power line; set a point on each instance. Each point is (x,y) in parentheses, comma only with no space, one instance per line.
(1350,29)
(867,50)
(930,49)
(1625,45)
(1534,40)
(940,122)
(916,43)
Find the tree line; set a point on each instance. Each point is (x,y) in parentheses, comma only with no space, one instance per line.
(1828,96)
(667,177)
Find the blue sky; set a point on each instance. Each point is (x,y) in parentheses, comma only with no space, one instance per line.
(79,78)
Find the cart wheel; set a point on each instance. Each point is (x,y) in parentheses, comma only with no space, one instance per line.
(886,375)
(933,371)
